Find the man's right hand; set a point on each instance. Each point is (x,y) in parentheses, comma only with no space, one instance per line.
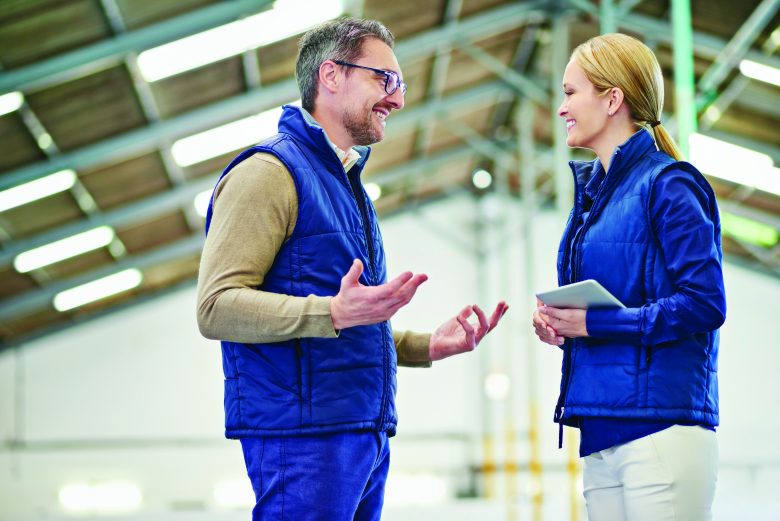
(359,305)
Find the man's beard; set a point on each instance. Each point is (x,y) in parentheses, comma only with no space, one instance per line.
(361,128)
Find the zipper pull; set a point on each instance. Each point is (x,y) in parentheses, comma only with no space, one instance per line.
(560,428)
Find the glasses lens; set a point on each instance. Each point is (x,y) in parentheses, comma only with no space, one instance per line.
(392,83)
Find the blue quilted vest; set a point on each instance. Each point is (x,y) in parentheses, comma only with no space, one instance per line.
(315,385)
(671,381)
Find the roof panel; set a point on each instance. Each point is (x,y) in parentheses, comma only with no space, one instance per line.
(126,182)
(18,146)
(32,30)
(88,109)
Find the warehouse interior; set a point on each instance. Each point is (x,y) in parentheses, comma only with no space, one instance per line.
(117,118)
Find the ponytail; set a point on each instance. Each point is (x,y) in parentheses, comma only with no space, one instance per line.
(665,142)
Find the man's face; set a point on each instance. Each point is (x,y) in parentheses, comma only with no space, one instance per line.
(366,104)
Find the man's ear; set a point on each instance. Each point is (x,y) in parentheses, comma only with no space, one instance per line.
(615,98)
(329,76)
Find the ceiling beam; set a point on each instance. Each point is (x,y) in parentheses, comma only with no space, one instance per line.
(704,45)
(183,194)
(734,51)
(106,53)
(41,298)
(144,140)
(139,141)
(518,81)
(31,301)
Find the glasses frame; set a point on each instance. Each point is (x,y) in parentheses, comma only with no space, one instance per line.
(399,84)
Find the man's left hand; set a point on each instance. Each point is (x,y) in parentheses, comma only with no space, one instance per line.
(458,335)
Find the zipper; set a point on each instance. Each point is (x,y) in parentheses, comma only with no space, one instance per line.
(360,201)
(560,428)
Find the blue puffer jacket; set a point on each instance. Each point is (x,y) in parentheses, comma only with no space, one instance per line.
(315,385)
(657,358)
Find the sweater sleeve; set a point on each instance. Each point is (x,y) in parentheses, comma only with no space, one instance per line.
(685,222)
(254,211)
(412,348)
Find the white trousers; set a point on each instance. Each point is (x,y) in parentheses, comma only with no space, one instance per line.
(666,476)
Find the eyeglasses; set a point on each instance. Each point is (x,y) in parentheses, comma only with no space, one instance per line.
(392,80)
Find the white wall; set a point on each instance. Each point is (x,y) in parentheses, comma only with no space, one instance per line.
(137,395)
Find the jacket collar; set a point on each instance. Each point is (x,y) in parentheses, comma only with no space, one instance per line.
(297,122)
(625,155)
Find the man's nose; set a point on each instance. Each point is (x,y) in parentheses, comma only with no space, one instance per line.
(396,99)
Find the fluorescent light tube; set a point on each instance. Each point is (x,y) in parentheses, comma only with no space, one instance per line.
(38,189)
(64,249)
(231,136)
(287,18)
(107,497)
(202,201)
(234,493)
(734,163)
(760,72)
(749,230)
(10,102)
(97,289)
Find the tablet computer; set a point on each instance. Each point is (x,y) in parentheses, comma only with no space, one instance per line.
(580,295)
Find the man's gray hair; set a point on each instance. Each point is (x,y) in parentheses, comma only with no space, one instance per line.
(340,39)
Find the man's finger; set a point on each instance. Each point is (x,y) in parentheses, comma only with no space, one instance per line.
(497,314)
(352,276)
(464,313)
(484,327)
(394,285)
(470,334)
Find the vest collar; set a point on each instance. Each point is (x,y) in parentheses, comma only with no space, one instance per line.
(625,155)
(298,122)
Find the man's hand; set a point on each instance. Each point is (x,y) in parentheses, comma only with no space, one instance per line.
(457,335)
(359,305)
(552,324)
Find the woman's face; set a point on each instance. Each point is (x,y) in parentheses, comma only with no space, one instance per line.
(583,108)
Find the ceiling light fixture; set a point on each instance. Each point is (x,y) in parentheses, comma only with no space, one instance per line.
(734,163)
(202,201)
(226,138)
(110,497)
(38,189)
(234,493)
(749,230)
(286,18)
(10,102)
(760,72)
(64,249)
(97,289)
(482,179)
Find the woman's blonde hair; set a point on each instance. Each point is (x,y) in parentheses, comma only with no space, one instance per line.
(618,60)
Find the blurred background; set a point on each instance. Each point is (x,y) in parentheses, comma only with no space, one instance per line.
(116,117)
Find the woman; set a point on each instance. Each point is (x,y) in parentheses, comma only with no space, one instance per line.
(639,382)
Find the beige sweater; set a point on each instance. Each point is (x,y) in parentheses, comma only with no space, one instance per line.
(255,210)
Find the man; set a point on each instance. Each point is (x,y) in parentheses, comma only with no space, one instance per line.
(308,353)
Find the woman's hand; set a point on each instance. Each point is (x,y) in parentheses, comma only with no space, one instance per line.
(569,323)
(542,327)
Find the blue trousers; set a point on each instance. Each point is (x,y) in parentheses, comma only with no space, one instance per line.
(328,477)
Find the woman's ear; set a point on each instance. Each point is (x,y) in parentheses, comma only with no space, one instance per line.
(329,76)
(615,98)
